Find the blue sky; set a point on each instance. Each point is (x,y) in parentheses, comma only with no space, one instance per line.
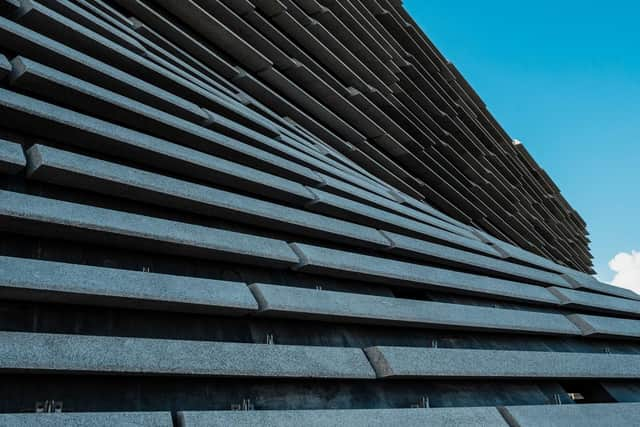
(564,78)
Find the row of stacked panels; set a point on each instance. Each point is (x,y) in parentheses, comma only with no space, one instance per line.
(171,243)
(297,63)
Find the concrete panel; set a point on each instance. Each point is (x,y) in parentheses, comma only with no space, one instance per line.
(420,249)
(589,300)
(5,65)
(337,263)
(598,326)
(579,280)
(387,203)
(115,33)
(12,159)
(19,111)
(411,362)
(586,415)
(40,48)
(218,34)
(300,303)
(35,280)
(30,352)
(510,251)
(93,419)
(74,170)
(48,217)
(54,84)
(436,417)
(331,204)
(98,101)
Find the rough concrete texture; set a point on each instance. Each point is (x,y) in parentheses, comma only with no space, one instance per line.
(5,65)
(332,204)
(90,133)
(74,221)
(35,280)
(53,353)
(579,280)
(411,362)
(59,55)
(585,415)
(435,417)
(319,260)
(84,419)
(342,306)
(74,170)
(580,299)
(40,78)
(419,248)
(600,326)
(12,159)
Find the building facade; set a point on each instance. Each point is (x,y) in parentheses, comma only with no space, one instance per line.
(282,212)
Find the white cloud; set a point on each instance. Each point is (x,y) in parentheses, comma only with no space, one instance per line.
(627,269)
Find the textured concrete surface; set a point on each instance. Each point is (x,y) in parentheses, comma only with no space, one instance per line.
(600,326)
(53,353)
(319,260)
(5,65)
(35,280)
(585,415)
(84,419)
(49,82)
(59,55)
(332,204)
(579,280)
(435,417)
(353,192)
(342,306)
(87,223)
(422,249)
(74,170)
(410,362)
(91,133)
(580,299)
(12,159)
(510,251)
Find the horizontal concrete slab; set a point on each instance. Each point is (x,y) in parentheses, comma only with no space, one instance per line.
(585,415)
(12,159)
(411,362)
(580,299)
(331,204)
(337,263)
(61,56)
(599,326)
(86,132)
(434,417)
(74,170)
(36,280)
(579,280)
(93,419)
(431,251)
(391,205)
(48,217)
(510,251)
(57,353)
(301,303)
(100,102)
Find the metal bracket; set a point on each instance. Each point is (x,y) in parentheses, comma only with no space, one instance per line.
(271,339)
(423,403)
(245,405)
(49,406)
